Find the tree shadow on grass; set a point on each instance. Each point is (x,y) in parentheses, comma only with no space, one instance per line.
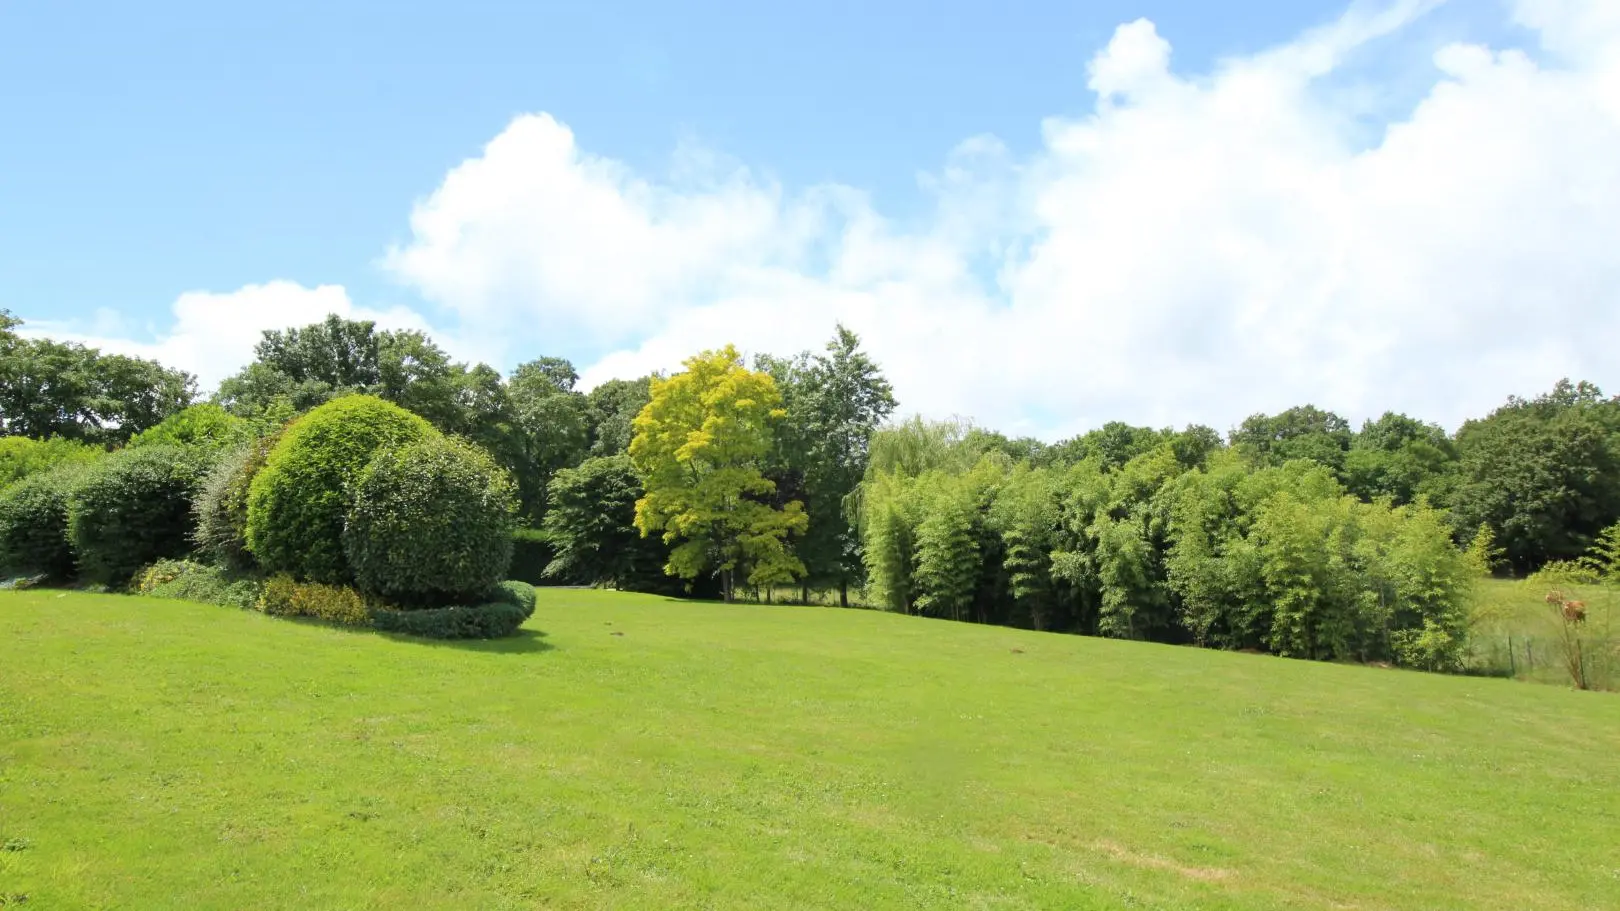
(522,642)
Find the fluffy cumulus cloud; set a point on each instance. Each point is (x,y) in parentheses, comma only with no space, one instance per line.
(1199,247)
(212,335)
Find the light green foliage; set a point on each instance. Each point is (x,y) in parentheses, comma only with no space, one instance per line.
(34,524)
(948,558)
(788,758)
(284,596)
(1604,556)
(202,582)
(699,447)
(1482,554)
(132,508)
(206,426)
(1025,513)
(889,516)
(591,521)
(430,523)
(298,501)
(22,456)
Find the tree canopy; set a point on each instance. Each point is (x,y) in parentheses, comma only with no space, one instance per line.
(700,445)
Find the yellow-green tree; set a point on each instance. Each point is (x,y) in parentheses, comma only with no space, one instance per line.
(699,447)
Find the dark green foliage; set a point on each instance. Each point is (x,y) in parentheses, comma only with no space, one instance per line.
(532,553)
(133,508)
(1400,458)
(591,526)
(34,525)
(507,606)
(552,422)
(430,523)
(1543,474)
(221,505)
(1306,432)
(190,581)
(22,456)
(610,408)
(207,426)
(63,389)
(298,502)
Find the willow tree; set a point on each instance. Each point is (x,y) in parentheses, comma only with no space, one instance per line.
(699,447)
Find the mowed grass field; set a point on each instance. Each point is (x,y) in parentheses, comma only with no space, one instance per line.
(634,752)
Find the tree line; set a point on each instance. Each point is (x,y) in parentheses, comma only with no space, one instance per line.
(1292,532)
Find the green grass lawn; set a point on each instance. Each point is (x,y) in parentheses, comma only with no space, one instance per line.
(633,752)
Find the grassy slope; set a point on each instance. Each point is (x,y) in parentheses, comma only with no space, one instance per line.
(163,754)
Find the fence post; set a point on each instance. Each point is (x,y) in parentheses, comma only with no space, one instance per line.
(1513,667)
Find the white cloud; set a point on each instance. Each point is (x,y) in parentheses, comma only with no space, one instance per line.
(1199,247)
(213,335)
(1196,249)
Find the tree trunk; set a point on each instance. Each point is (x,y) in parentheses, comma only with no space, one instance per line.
(843,593)
(725,585)
(804,594)
(768,590)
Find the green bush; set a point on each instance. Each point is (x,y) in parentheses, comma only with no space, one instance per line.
(222,504)
(430,523)
(191,581)
(284,596)
(509,604)
(21,457)
(133,508)
(297,503)
(207,426)
(34,525)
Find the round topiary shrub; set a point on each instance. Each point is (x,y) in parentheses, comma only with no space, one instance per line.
(134,508)
(222,504)
(297,502)
(34,525)
(430,524)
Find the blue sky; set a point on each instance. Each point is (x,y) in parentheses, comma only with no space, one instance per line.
(151,150)
(162,147)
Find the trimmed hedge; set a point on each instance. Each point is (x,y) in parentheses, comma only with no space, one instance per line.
(507,606)
(34,525)
(132,509)
(511,604)
(430,523)
(297,503)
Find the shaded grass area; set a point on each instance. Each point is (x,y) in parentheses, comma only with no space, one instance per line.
(166,754)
